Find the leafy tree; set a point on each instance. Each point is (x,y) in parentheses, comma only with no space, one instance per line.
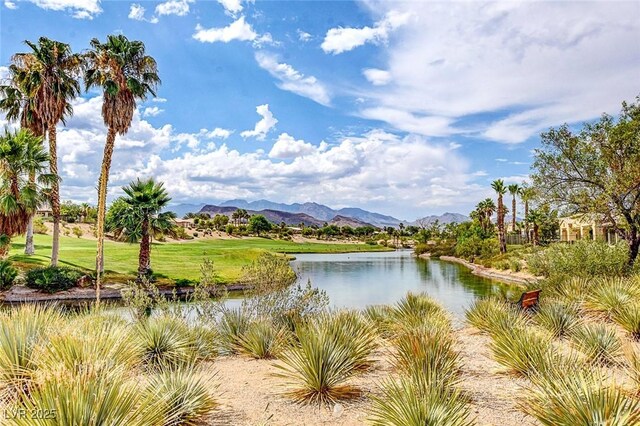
(220,221)
(21,156)
(47,79)
(259,224)
(136,217)
(125,73)
(595,171)
(501,189)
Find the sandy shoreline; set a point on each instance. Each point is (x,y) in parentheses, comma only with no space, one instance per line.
(518,278)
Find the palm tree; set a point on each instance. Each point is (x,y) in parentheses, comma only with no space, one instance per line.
(139,219)
(21,156)
(18,107)
(125,73)
(514,189)
(49,76)
(526,194)
(535,217)
(500,188)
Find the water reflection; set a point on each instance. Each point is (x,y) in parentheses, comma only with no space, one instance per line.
(355,280)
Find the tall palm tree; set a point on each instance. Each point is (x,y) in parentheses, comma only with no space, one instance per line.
(514,189)
(21,156)
(501,189)
(140,218)
(526,194)
(49,74)
(535,217)
(18,107)
(125,74)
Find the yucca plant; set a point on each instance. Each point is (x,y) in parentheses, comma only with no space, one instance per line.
(87,397)
(263,340)
(352,330)
(609,295)
(427,352)
(556,317)
(632,354)
(522,350)
(317,368)
(204,338)
(21,331)
(184,394)
(103,346)
(418,308)
(570,397)
(165,342)
(232,324)
(598,342)
(628,317)
(381,316)
(492,315)
(408,402)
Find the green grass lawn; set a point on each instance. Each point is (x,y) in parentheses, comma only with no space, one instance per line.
(171,260)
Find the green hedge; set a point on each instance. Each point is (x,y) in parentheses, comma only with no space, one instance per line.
(53,278)
(8,274)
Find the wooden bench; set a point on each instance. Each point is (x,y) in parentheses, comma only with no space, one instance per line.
(529,300)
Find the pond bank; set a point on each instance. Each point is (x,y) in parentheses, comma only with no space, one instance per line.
(22,294)
(518,278)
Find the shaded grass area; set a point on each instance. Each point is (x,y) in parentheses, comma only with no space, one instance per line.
(174,260)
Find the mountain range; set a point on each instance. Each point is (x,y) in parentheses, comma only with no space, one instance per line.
(312,214)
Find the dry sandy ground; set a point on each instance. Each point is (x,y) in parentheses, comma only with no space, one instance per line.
(250,395)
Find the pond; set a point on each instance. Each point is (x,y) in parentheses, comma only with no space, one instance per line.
(356,280)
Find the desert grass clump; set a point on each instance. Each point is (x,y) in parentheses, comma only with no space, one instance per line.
(598,342)
(165,342)
(610,294)
(381,316)
(263,340)
(557,318)
(21,331)
(318,367)
(408,402)
(184,393)
(632,354)
(232,324)
(427,353)
(628,317)
(87,397)
(579,397)
(492,315)
(523,350)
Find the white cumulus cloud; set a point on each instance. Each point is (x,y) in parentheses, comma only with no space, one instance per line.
(294,81)
(151,111)
(237,30)
(263,126)
(287,147)
(339,40)
(231,6)
(80,9)
(174,7)
(377,77)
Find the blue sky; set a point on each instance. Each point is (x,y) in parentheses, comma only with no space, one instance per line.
(407,108)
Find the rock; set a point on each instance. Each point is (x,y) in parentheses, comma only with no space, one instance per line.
(85,281)
(338,409)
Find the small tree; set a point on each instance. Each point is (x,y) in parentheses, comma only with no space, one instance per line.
(259,224)
(596,171)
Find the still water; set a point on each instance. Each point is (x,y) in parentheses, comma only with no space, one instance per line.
(355,280)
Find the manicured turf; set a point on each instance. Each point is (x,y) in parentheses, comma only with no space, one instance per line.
(172,260)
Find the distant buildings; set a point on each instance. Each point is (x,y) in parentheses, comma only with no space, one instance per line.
(581,227)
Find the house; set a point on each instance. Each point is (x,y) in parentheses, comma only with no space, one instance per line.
(581,227)
(184,223)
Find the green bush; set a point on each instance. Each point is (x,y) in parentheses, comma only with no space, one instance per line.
(474,246)
(7,274)
(53,278)
(582,258)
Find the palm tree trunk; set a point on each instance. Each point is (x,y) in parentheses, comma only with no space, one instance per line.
(526,220)
(513,214)
(29,248)
(144,258)
(501,214)
(55,195)
(102,206)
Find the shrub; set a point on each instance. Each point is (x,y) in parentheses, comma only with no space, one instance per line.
(598,342)
(491,315)
(53,278)
(633,365)
(263,340)
(184,393)
(582,258)
(77,231)
(196,235)
(557,318)
(381,316)
(611,294)
(502,265)
(408,403)
(8,274)
(231,325)
(350,328)
(165,342)
(39,227)
(417,309)
(474,246)
(515,265)
(569,397)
